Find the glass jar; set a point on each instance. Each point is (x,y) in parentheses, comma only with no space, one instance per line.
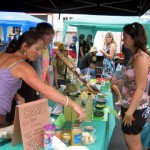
(58,132)
(76,135)
(88,135)
(66,137)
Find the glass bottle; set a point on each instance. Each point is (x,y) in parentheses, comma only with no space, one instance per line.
(89,108)
(68,111)
(78,101)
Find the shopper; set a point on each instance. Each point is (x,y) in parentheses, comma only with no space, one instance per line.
(14,69)
(135,82)
(41,64)
(62,74)
(109,63)
(86,64)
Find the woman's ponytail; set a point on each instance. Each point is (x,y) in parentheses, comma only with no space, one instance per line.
(12,47)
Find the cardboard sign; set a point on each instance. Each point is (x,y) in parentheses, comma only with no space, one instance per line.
(28,124)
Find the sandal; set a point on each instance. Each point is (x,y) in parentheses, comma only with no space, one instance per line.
(119,115)
(118,103)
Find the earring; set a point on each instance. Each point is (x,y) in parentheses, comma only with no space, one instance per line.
(25,54)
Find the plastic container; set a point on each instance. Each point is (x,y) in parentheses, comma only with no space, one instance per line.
(49,132)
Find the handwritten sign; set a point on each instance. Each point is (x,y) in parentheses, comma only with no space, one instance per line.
(28,125)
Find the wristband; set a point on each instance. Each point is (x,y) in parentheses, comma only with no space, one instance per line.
(67,101)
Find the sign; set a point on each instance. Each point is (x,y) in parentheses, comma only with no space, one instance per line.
(28,124)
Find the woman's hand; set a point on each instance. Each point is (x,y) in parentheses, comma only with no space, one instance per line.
(19,99)
(102,51)
(114,80)
(80,112)
(128,118)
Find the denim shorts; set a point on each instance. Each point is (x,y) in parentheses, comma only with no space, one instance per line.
(137,125)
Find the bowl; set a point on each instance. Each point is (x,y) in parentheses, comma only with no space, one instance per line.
(98,113)
(100,106)
(101,101)
(101,95)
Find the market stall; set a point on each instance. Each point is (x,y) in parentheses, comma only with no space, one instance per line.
(103,132)
(10,19)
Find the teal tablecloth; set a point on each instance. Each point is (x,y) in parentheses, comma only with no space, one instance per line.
(103,133)
(104,129)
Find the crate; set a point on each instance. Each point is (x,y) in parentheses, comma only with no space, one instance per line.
(98,69)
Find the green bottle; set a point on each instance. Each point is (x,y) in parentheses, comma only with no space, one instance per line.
(89,108)
(78,101)
(68,111)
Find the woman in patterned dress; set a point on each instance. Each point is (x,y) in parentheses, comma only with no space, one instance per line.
(109,62)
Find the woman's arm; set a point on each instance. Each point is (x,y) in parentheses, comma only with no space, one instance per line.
(19,99)
(115,81)
(112,52)
(28,74)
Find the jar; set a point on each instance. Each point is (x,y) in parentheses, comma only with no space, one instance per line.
(58,132)
(88,135)
(76,135)
(66,137)
(49,131)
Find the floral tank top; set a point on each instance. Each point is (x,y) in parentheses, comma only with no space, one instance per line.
(129,85)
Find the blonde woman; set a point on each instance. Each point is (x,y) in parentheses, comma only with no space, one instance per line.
(109,63)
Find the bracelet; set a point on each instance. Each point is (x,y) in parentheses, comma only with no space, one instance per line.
(66,101)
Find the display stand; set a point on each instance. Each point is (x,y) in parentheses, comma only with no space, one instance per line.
(73,69)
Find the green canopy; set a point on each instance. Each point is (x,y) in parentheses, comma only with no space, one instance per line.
(90,24)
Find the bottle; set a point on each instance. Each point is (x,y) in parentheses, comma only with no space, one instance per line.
(89,108)
(78,101)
